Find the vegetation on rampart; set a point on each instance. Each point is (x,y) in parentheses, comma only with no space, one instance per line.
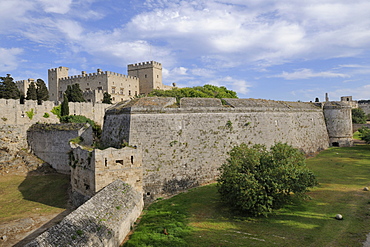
(206,91)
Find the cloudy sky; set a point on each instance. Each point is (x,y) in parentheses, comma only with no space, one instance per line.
(280,50)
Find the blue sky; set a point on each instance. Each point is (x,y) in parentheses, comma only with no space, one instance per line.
(280,50)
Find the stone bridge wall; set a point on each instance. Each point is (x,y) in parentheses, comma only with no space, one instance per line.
(104,220)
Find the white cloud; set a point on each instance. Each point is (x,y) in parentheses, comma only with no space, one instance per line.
(239,86)
(308,73)
(72,29)
(359,93)
(9,59)
(56,6)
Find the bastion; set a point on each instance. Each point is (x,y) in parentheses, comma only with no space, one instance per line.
(184,145)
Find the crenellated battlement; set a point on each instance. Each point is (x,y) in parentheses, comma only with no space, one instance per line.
(142,65)
(102,74)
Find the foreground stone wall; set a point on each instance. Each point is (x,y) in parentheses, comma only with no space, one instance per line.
(93,169)
(183,147)
(104,220)
(50,142)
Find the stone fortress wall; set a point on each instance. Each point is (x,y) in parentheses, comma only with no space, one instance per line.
(14,113)
(104,220)
(50,142)
(184,146)
(93,169)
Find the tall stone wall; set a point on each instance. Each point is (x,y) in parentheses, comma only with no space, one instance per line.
(184,147)
(50,142)
(93,169)
(104,220)
(365,106)
(14,113)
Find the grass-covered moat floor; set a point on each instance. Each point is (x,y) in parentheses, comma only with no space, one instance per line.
(198,217)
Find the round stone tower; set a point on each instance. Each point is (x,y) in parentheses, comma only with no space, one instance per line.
(338,118)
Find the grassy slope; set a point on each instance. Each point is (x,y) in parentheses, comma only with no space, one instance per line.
(20,196)
(205,221)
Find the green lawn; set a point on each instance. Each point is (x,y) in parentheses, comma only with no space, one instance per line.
(198,217)
(21,196)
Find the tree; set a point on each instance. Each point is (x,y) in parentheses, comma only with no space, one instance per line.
(107,99)
(31,92)
(8,89)
(365,134)
(64,110)
(41,91)
(206,91)
(74,93)
(358,116)
(256,180)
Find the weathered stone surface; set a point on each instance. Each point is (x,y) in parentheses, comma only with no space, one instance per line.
(184,147)
(50,142)
(104,220)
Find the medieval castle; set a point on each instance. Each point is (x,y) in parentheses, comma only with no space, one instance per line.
(156,146)
(142,78)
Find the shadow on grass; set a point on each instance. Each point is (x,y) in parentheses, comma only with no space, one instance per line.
(46,187)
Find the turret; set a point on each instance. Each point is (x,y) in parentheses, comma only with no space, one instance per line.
(338,118)
(149,74)
(53,81)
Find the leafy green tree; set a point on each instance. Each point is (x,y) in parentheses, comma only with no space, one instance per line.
(74,93)
(31,92)
(206,91)
(107,98)
(64,110)
(365,134)
(256,180)
(358,116)
(41,91)
(8,89)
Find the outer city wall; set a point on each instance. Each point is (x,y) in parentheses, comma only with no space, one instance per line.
(184,146)
(14,113)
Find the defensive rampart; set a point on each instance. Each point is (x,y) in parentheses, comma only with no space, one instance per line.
(14,113)
(184,146)
(93,169)
(50,142)
(104,220)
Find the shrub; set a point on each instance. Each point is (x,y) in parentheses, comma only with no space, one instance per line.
(46,115)
(365,134)
(57,110)
(256,180)
(30,113)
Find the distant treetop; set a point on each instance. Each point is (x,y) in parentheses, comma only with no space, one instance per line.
(206,91)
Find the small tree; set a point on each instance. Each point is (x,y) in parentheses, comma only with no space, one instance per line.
(107,98)
(41,91)
(31,92)
(64,110)
(256,180)
(358,116)
(74,93)
(365,134)
(8,89)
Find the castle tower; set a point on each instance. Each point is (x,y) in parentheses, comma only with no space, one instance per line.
(149,74)
(53,81)
(338,118)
